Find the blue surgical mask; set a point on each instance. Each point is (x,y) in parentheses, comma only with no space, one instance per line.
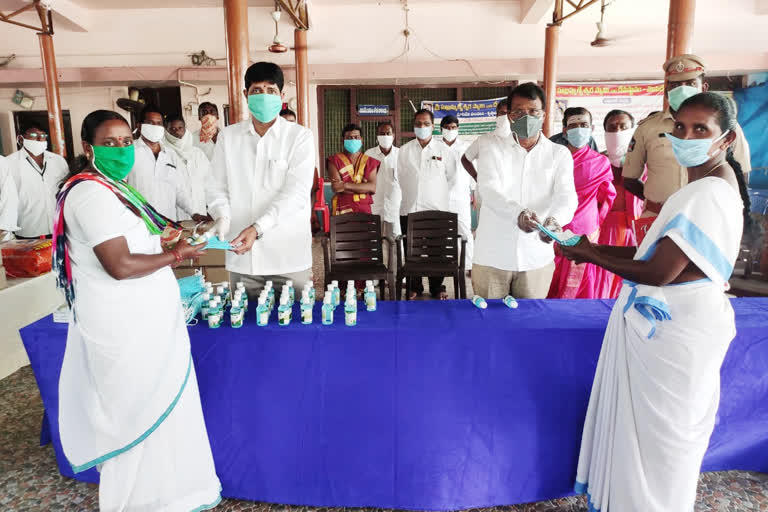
(578,137)
(191,286)
(423,133)
(526,127)
(264,107)
(679,94)
(692,152)
(353,145)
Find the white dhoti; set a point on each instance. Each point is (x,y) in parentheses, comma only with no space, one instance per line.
(657,386)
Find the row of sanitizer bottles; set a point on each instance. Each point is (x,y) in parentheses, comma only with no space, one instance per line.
(216,301)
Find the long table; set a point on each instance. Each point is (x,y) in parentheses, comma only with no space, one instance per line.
(422,405)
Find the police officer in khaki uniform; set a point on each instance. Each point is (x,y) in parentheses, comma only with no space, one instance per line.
(649,147)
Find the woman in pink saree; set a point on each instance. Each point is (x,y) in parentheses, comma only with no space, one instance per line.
(593,179)
(617,227)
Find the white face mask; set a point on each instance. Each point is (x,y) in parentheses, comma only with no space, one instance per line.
(617,144)
(35,147)
(502,126)
(423,133)
(152,132)
(450,135)
(385,141)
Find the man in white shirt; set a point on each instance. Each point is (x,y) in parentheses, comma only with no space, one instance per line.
(193,163)
(38,174)
(9,202)
(524,179)
(205,138)
(449,126)
(480,144)
(156,173)
(386,201)
(426,180)
(261,176)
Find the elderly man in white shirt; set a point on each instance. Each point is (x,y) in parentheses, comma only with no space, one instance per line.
(205,138)
(156,173)
(426,180)
(9,202)
(261,176)
(449,127)
(38,174)
(193,163)
(385,202)
(525,179)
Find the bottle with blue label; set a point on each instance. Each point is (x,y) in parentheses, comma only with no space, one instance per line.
(271,294)
(306,308)
(479,302)
(510,302)
(350,311)
(205,305)
(262,311)
(327,309)
(336,293)
(215,313)
(284,311)
(291,292)
(236,315)
(370,297)
(312,296)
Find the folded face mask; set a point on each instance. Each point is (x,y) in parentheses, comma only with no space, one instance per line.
(566,238)
(217,243)
(191,286)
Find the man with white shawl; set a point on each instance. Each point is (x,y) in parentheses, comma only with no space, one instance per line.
(194,164)
(657,385)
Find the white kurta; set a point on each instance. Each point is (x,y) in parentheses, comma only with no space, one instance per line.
(657,385)
(463,199)
(129,402)
(195,170)
(9,199)
(510,180)
(37,189)
(265,181)
(385,202)
(160,180)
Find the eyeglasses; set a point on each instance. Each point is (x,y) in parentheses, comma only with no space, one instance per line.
(517,114)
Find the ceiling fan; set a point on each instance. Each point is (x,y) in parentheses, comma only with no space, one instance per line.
(601,38)
(277,46)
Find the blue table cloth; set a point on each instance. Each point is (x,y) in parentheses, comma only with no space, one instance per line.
(422,405)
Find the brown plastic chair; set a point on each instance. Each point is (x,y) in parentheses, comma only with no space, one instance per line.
(433,248)
(354,251)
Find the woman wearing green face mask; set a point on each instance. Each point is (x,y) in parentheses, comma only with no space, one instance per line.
(129,403)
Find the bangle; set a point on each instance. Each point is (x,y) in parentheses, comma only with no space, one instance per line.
(177,256)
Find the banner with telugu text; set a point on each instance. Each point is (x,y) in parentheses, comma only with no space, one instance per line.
(638,98)
(476,117)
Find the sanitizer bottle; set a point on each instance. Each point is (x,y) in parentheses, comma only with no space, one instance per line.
(510,302)
(336,293)
(262,311)
(479,302)
(370,297)
(306,308)
(350,311)
(284,311)
(206,304)
(328,309)
(291,292)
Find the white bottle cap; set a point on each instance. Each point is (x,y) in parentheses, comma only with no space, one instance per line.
(335,283)
(262,300)
(330,287)
(240,284)
(206,296)
(327,300)
(220,290)
(225,284)
(268,284)
(350,284)
(289,283)
(369,283)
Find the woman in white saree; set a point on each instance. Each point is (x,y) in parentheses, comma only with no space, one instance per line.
(657,385)
(129,403)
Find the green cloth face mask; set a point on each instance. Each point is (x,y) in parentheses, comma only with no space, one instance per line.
(114,162)
(265,107)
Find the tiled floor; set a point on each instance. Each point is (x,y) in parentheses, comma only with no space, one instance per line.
(29,479)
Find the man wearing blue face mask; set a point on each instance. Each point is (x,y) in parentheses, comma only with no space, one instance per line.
(525,180)
(353,174)
(261,176)
(649,147)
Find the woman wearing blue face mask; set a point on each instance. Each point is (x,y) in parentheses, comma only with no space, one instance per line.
(656,390)
(353,174)
(128,397)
